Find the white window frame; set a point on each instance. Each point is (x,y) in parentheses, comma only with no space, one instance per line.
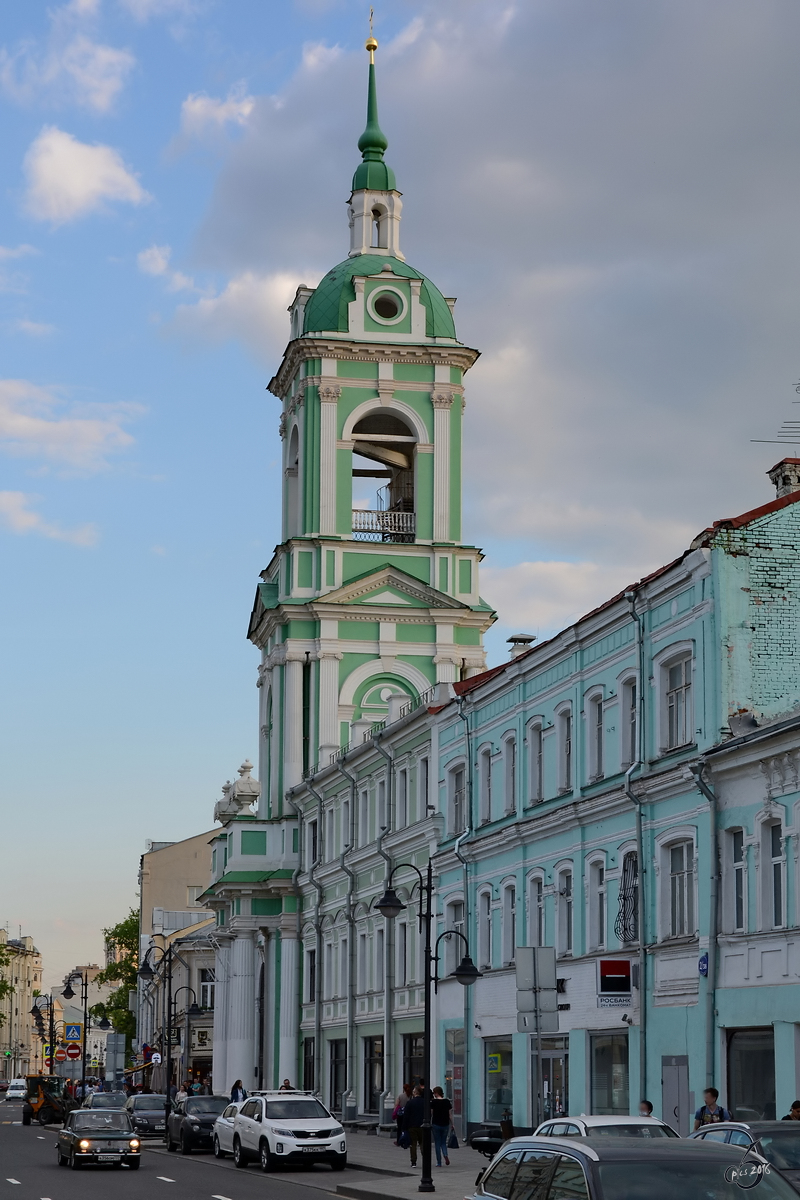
(510,773)
(485,783)
(454,948)
(423,787)
(735,879)
(328,980)
(670,656)
(312,842)
(565,910)
(383,816)
(341,987)
(565,736)
(401,802)
(537,916)
(363,817)
(485,929)
(345,824)
(665,843)
(509,913)
(362,959)
(595,733)
(379,966)
(773,869)
(401,977)
(456,769)
(329,843)
(535,741)
(628,691)
(597,903)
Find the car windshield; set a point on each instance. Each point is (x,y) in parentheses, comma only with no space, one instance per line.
(782,1149)
(667,1179)
(297,1110)
(632,1130)
(90,1119)
(109,1100)
(207,1104)
(148,1103)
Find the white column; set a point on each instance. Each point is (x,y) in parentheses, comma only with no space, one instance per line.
(328,704)
(293,722)
(289,1016)
(442,403)
(241,1048)
(329,394)
(219,1069)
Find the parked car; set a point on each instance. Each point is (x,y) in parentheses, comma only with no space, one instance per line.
(4,1085)
(778,1141)
(223,1129)
(620,1168)
(104,1136)
(147,1113)
(281,1127)
(17,1090)
(597,1126)
(191,1122)
(105,1100)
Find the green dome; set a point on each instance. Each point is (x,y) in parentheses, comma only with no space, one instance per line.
(326,311)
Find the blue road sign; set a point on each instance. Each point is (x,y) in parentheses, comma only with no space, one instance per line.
(72,1033)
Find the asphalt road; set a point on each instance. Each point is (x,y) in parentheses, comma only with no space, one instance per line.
(28,1171)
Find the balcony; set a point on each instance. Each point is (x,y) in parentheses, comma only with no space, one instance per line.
(372,525)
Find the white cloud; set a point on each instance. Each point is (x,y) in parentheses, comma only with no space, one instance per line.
(7,252)
(143,10)
(17,516)
(67,179)
(252,308)
(33,328)
(155,261)
(317,56)
(201,113)
(34,424)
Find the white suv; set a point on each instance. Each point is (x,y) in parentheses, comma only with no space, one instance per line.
(278,1127)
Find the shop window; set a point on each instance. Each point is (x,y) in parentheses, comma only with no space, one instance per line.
(499,1079)
(373,1073)
(609,1058)
(338,1074)
(454,1069)
(751,1074)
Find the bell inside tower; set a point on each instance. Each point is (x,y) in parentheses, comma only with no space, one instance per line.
(384,438)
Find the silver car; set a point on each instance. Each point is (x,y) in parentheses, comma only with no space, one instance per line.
(223,1129)
(605,1126)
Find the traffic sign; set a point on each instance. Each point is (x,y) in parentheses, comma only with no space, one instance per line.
(48,1062)
(73,1033)
(73,1051)
(61,1054)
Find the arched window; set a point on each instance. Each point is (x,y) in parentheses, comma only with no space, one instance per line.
(597,905)
(626,926)
(486,784)
(510,772)
(509,923)
(292,484)
(565,910)
(378,228)
(485,929)
(383,437)
(453,947)
(536,762)
(536,925)
(565,748)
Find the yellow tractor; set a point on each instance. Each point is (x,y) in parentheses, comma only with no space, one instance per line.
(45,1101)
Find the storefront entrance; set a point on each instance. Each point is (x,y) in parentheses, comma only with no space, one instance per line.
(454,1075)
(498,1068)
(338,1081)
(751,1074)
(373,1073)
(610,1073)
(554,1080)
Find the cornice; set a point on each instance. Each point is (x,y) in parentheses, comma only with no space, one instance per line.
(301,349)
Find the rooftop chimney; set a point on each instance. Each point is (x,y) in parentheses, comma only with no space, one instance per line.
(786,476)
(520,642)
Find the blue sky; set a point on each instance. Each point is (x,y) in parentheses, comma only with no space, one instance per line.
(610,190)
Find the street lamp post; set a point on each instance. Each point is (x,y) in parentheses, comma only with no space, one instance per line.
(194,1010)
(104,1023)
(390,906)
(146,972)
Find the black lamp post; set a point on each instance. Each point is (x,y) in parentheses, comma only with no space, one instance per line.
(194,1010)
(147,973)
(390,906)
(68,995)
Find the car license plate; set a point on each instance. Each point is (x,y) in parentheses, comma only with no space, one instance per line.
(314,1149)
(108,1157)
(159,1126)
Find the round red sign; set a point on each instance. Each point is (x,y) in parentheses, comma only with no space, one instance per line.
(48,1062)
(73,1050)
(61,1054)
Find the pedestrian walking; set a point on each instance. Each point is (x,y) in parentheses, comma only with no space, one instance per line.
(399,1108)
(413,1116)
(711,1113)
(237,1092)
(793,1113)
(181,1093)
(441,1123)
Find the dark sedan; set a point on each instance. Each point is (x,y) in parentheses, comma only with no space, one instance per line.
(778,1141)
(106,1100)
(148,1114)
(191,1122)
(98,1136)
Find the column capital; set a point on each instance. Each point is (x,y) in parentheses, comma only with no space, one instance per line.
(329,393)
(442,399)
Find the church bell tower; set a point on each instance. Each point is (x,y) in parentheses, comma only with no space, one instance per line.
(372,597)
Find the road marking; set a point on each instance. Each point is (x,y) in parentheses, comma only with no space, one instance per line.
(165,1178)
(40,1138)
(12,1181)
(220,1198)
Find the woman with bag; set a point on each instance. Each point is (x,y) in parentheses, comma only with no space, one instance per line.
(440,1125)
(397,1114)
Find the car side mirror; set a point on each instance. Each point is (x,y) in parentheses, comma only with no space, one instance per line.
(480,1176)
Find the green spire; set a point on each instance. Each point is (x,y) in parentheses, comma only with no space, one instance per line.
(373,173)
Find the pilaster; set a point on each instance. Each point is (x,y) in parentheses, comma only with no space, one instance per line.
(329,393)
(442,404)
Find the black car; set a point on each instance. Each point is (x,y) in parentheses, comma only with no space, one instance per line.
(191,1122)
(148,1114)
(627,1169)
(98,1136)
(777,1141)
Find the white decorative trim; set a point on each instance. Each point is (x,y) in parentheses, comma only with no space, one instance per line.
(329,394)
(364,672)
(368,406)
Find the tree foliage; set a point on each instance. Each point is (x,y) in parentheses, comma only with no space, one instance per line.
(123,940)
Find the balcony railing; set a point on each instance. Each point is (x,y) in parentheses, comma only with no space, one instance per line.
(370,525)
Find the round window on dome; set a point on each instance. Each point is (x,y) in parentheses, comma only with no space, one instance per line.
(387,305)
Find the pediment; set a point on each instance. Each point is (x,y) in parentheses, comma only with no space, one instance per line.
(390,586)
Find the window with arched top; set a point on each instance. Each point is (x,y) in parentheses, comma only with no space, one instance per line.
(378,239)
(292,473)
(384,447)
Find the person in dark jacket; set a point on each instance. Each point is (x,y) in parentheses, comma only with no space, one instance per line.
(441,1122)
(793,1113)
(237,1092)
(413,1116)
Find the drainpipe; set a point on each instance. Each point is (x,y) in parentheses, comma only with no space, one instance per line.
(388,1096)
(640,888)
(350,1101)
(465,871)
(318,931)
(713,918)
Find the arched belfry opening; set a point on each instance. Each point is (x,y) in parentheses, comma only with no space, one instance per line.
(293,484)
(383,437)
(378,228)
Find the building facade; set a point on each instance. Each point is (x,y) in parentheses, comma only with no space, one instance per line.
(20,1050)
(624,793)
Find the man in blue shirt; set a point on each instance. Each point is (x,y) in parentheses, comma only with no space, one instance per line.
(711,1113)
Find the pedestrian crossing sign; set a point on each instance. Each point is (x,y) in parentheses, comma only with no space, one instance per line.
(72,1033)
